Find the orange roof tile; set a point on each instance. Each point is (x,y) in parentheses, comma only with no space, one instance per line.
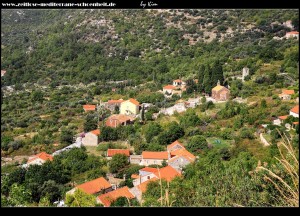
(177,80)
(169,87)
(115,101)
(94,186)
(168,173)
(117,119)
(295,109)
(135,102)
(43,155)
(108,198)
(292,32)
(112,152)
(218,88)
(96,132)
(149,169)
(184,153)
(135,176)
(155,155)
(174,144)
(143,187)
(289,92)
(283,117)
(295,123)
(89,107)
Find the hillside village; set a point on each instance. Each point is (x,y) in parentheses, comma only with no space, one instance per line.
(193,134)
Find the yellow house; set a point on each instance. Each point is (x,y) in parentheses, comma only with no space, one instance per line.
(130,107)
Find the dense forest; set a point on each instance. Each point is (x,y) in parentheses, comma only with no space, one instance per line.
(58,60)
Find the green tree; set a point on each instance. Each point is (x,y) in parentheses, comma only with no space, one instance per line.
(66,136)
(143,114)
(118,162)
(151,130)
(121,201)
(19,195)
(37,96)
(263,103)
(91,123)
(189,119)
(45,202)
(51,190)
(173,133)
(80,199)
(217,73)
(197,143)
(108,134)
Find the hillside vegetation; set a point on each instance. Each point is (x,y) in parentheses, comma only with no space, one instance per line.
(59,60)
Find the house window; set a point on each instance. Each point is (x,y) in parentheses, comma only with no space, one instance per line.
(148,177)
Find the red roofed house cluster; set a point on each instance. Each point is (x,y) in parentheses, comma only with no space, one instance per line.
(286,94)
(293,112)
(177,87)
(148,174)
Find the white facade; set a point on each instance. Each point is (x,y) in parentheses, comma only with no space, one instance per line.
(294,114)
(90,139)
(143,176)
(37,161)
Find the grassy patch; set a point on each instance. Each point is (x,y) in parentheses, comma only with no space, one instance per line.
(93,150)
(218,142)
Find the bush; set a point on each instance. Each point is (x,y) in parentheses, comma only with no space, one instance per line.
(118,162)
(197,143)
(246,133)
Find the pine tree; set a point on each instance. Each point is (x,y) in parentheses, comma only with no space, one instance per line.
(207,79)
(200,78)
(217,73)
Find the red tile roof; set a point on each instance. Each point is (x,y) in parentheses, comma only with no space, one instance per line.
(143,186)
(135,102)
(184,153)
(89,107)
(117,119)
(174,144)
(295,109)
(96,132)
(94,186)
(177,80)
(289,92)
(169,87)
(168,173)
(149,169)
(112,152)
(293,32)
(155,155)
(295,123)
(135,176)
(108,198)
(115,101)
(43,155)
(283,117)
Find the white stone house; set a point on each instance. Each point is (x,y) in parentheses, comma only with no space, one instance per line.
(91,138)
